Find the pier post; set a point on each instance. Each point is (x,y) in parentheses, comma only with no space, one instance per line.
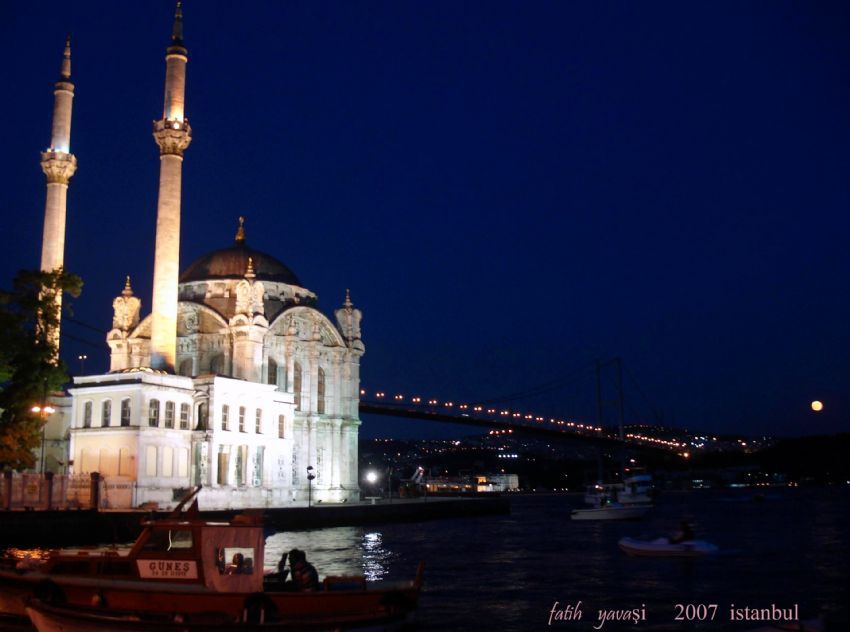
(95,490)
(48,481)
(7,483)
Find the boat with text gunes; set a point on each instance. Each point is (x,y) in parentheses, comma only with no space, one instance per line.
(177,571)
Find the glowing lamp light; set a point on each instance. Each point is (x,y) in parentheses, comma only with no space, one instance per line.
(817,406)
(371,477)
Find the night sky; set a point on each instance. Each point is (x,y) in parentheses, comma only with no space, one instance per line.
(511,190)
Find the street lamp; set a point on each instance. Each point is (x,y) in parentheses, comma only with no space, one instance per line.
(310,477)
(43,412)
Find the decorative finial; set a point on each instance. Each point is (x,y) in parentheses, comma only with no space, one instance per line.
(177,29)
(128,291)
(348,304)
(240,232)
(249,273)
(66,59)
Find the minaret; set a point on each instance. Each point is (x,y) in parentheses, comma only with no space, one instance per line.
(58,164)
(173,135)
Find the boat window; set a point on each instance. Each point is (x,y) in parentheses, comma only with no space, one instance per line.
(168,539)
(235,560)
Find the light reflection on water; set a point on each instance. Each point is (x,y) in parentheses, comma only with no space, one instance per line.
(335,551)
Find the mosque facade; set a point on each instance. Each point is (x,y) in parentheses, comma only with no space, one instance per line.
(235,381)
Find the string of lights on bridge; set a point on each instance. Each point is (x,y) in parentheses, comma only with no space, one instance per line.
(523,417)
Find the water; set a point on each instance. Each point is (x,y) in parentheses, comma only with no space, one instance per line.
(506,572)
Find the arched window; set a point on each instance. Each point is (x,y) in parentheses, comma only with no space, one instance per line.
(106,413)
(320,391)
(258,424)
(184,416)
(296,385)
(153,413)
(169,414)
(217,364)
(281,421)
(241,419)
(225,414)
(271,374)
(87,408)
(203,415)
(125,412)
(186,367)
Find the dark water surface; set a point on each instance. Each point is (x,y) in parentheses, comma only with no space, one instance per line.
(506,572)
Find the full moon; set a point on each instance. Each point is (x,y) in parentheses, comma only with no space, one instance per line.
(817,406)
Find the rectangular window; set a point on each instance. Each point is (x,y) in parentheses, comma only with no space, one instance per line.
(106,413)
(258,466)
(153,413)
(125,412)
(169,414)
(258,425)
(241,419)
(225,413)
(87,407)
(184,416)
(168,461)
(281,420)
(223,464)
(241,454)
(150,460)
(296,386)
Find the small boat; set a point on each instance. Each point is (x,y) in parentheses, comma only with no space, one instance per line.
(636,489)
(610,511)
(178,570)
(662,547)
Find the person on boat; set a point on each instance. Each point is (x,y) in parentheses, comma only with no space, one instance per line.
(238,566)
(304,575)
(684,533)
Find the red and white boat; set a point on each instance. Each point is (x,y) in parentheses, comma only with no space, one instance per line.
(176,572)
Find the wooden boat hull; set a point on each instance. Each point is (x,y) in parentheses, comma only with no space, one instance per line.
(54,618)
(387,600)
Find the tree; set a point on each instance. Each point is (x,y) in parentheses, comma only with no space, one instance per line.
(30,369)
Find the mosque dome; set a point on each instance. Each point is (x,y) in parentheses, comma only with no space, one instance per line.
(232,263)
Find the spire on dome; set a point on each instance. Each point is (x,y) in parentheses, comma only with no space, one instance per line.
(65,73)
(249,273)
(240,232)
(348,304)
(177,29)
(128,290)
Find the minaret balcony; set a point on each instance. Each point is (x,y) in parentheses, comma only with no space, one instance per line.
(173,136)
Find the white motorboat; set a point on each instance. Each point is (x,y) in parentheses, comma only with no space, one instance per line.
(662,547)
(610,511)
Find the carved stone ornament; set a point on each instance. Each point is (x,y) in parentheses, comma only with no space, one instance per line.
(126,315)
(190,321)
(173,137)
(58,166)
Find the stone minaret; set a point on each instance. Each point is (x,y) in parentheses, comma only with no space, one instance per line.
(173,135)
(58,164)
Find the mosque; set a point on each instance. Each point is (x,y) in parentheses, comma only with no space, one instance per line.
(234,381)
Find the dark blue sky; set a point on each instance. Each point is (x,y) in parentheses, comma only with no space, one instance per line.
(510,190)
